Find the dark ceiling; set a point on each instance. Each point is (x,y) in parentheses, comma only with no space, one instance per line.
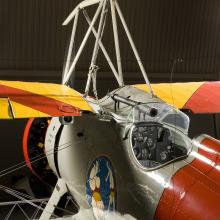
(33,41)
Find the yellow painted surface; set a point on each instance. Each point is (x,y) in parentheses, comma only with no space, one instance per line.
(4,113)
(176,94)
(55,91)
(20,111)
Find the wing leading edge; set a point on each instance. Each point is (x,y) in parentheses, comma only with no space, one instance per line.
(29,100)
(199,97)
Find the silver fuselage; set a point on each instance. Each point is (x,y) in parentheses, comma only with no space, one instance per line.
(91,136)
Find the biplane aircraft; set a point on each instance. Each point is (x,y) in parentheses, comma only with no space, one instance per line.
(128,152)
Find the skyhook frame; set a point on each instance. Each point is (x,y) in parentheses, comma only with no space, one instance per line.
(100,12)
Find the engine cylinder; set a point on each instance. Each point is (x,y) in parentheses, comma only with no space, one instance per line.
(34,149)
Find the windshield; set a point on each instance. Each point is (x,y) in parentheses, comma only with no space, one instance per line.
(166,114)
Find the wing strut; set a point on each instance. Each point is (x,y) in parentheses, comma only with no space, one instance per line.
(59,190)
(11,108)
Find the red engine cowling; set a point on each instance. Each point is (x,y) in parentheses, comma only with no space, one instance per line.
(33,150)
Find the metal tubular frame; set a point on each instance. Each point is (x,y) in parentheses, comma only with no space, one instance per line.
(98,36)
(71,45)
(105,53)
(96,48)
(67,77)
(117,47)
(98,43)
(133,47)
(81,5)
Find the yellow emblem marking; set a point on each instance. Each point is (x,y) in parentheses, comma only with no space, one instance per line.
(97,196)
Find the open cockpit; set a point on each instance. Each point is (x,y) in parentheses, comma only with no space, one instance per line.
(160,139)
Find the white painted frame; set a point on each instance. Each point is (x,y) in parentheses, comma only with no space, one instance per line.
(115,9)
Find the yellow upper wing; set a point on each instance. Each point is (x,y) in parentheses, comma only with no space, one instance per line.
(27,100)
(199,97)
(173,93)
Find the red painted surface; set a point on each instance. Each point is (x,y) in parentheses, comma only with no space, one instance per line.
(31,164)
(194,191)
(41,103)
(205,99)
(25,144)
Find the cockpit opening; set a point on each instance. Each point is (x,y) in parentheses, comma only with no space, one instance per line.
(154,144)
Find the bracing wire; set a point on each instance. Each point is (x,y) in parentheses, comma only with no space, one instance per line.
(23,164)
(16,167)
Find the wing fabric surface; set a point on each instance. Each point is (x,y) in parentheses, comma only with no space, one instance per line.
(199,97)
(28,100)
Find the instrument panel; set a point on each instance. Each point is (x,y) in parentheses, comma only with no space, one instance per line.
(153,144)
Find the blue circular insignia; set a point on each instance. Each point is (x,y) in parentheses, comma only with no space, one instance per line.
(101,185)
